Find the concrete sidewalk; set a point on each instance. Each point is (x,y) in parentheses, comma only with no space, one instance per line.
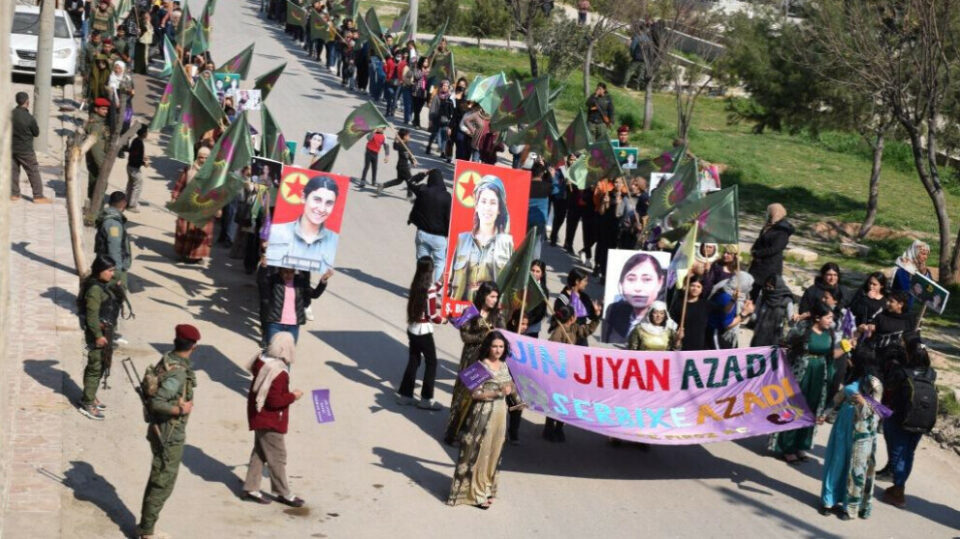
(44,344)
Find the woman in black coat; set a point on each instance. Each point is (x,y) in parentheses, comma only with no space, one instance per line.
(767,251)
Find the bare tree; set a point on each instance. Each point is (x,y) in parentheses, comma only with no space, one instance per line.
(904,51)
(526,15)
(690,80)
(611,16)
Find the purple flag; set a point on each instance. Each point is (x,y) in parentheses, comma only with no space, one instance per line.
(321,405)
(468,314)
(848,324)
(474,376)
(878,408)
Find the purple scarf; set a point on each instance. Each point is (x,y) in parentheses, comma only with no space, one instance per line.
(579,309)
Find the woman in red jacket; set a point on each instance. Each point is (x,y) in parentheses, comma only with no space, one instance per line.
(267,412)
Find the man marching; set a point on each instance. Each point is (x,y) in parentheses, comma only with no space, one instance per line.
(169,400)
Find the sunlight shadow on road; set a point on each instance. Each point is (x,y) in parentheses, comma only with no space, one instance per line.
(413,468)
(89,486)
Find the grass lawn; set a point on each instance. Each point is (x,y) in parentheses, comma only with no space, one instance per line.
(811,179)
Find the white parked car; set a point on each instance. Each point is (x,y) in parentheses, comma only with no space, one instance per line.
(23,44)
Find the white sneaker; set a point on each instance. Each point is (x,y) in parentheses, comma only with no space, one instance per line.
(429,404)
(121,340)
(309,313)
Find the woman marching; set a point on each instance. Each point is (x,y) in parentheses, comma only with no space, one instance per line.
(475,475)
(568,329)
(423,311)
(850,461)
(191,242)
(473,332)
(811,355)
(656,332)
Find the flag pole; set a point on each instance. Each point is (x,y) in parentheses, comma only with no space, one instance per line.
(686,280)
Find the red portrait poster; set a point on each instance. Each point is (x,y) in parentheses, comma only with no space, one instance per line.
(487,221)
(306,222)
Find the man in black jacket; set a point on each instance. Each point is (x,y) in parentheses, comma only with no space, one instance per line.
(431,216)
(25,129)
(767,250)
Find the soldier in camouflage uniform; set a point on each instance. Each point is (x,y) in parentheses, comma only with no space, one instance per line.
(169,409)
(99,313)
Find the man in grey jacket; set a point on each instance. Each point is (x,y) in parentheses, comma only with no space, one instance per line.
(112,239)
(25,129)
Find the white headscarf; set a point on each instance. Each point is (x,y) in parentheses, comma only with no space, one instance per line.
(195,167)
(707,259)
(115,79)
(277,359)
(908,260)
(649,327)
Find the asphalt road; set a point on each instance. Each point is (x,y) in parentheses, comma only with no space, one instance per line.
(380,470)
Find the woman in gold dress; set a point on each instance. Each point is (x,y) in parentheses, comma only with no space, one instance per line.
(475,475)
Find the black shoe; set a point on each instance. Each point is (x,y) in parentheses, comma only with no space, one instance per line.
(256,498)
(844,516)
(295,502)
(824,510)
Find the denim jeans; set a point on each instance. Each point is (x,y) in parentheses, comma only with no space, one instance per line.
(377,76)
(406,95)
(276,327)
(331,53)
(901,447)
(390,94)
(434,246)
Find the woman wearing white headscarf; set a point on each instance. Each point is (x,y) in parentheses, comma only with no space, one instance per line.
(268,403)
(656,332)
(120,84)
(913,260)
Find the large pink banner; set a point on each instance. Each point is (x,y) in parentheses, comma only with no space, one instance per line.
(660,397)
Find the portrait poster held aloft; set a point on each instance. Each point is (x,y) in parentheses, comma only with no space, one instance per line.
(267,172)
(488,219)
(636,279)
(306,221)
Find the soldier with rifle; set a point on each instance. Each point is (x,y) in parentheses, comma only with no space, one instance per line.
(98,307)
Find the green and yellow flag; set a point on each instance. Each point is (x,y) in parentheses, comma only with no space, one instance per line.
(435,42)
(169,57)
(296,15)
(602,162)
(266,82)
(206,19)
(273,145)
(239,63)
(515,281)
(325,162)
(185,20)
(683,259)
(485,91)
(671,193)
(176,94)
(715,215)
(373,22)
(536,134)
(577,172)
(444,68)
(510,109)
(377,46)
(577,135)
(213,112)
(218,181)
(361,121)
(180,145)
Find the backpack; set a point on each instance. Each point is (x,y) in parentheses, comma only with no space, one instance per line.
(920,413)
(154,376)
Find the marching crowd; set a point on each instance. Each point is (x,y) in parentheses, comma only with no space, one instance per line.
(857,357)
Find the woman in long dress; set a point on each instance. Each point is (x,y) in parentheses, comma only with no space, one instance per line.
(850,462)
(192,243)
(475,475)
(473,333)
(812,353)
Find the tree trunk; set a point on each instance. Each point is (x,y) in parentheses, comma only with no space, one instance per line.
(648,105)
(874,186)
(74,154)
(587,60)
(532,53)
(931,182)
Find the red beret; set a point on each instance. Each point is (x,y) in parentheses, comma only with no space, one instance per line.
(623,129)
(188,332)
(107,41)
(101,102)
